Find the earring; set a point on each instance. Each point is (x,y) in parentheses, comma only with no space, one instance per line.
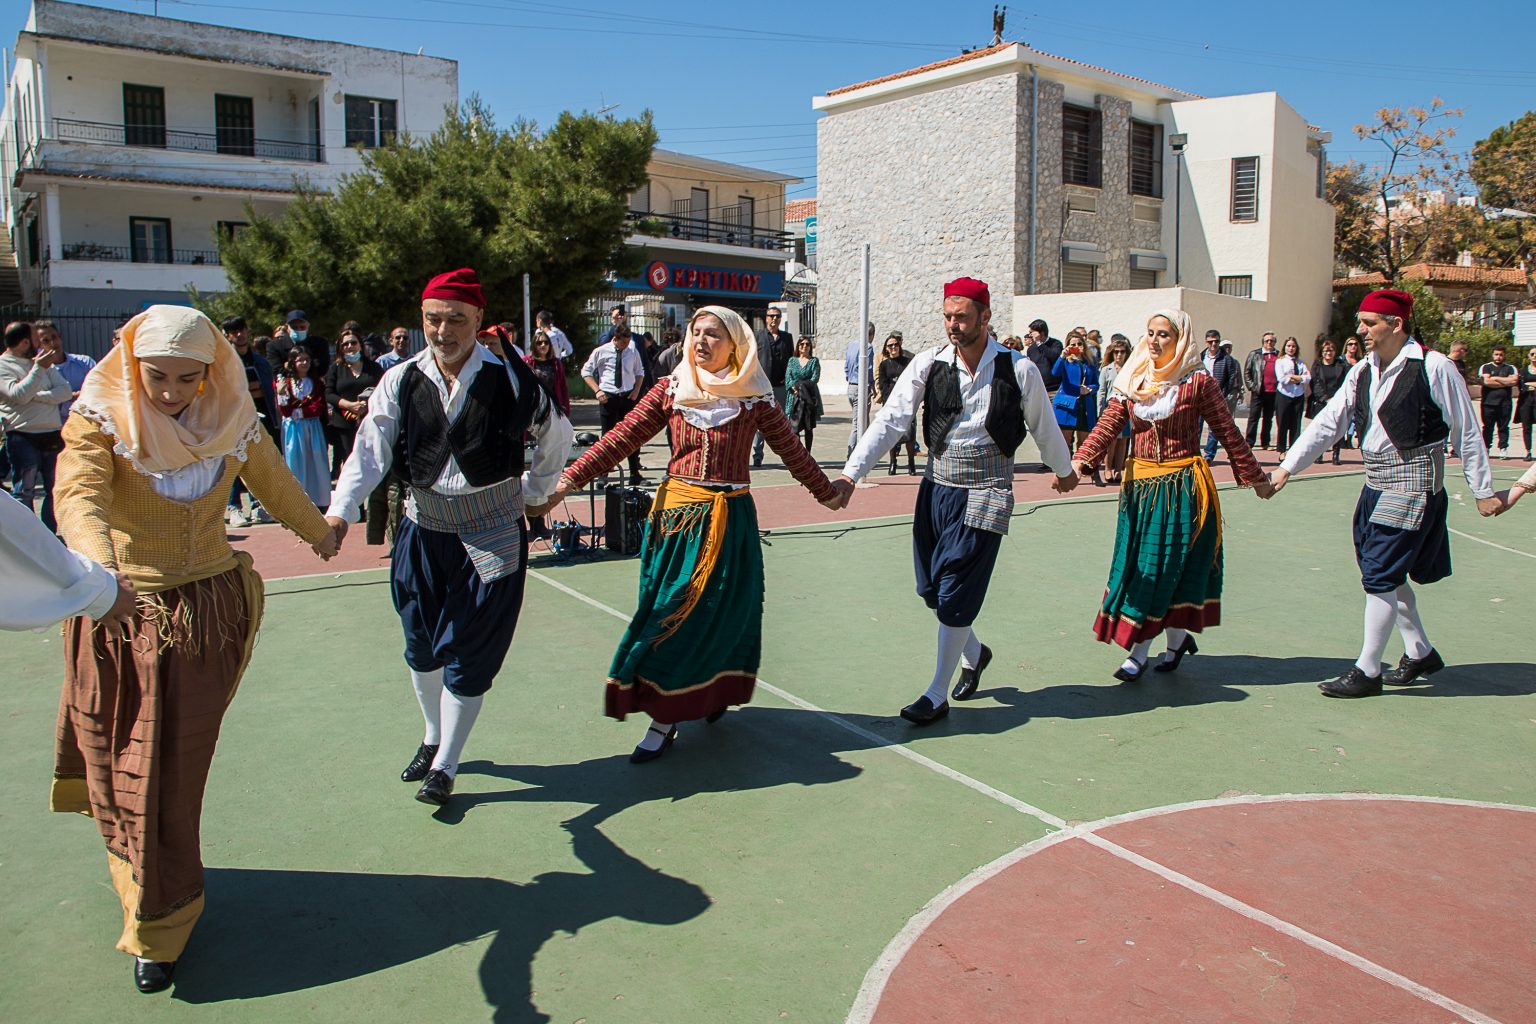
(200,385)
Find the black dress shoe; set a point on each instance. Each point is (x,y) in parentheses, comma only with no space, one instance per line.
(970,678)
(154,976)
(420,764)
(1353,683)
(437,788)
(640,755)
(1409,669)
(1187,647)
(1130,677)
(922,711)
(715,716)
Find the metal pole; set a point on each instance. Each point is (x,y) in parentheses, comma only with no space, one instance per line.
(1178,214)
(1034,165)
(527,318)
(864,353)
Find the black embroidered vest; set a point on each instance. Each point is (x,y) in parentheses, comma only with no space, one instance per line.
(1409,414)
(486,440)
(942,406)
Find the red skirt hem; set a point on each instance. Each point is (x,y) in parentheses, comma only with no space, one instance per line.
(622,698)
(1128,632)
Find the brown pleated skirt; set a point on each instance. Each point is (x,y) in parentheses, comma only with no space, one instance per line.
(138,721)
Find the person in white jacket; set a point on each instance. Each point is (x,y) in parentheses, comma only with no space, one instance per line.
(45,582)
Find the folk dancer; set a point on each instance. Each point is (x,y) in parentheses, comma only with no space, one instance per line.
(978,398)
(693,646)
(1167,570)
(1404,400)
(449,421)
(163,425)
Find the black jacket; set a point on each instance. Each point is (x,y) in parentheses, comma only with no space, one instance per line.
(1044,356)
(774,351)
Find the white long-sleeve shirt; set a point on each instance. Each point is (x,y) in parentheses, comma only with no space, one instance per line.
(373,451)
(1285,366)
(970,427)
(600,367)
(30,395)
(559,342)
(1450,394)
(43,580)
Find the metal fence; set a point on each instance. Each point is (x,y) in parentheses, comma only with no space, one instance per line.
(86,331)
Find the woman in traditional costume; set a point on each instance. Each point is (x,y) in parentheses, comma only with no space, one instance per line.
(163,426)
(693,647)
(1166,572)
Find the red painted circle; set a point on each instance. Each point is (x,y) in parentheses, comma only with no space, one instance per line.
(656,273)
(1437,893)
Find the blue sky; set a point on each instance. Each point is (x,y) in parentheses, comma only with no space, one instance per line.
(735,81)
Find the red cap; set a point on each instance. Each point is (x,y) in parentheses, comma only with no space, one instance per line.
(970,288)
(456,286)
(1390,302)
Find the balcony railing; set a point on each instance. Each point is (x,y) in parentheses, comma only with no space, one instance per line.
(729,231)
(127,254)
(229,142)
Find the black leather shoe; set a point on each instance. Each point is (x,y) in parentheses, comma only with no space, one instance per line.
(1131,677)
(1409,670)
(970,678)
(922,711)
(154,976)
(1353,683)
(640,755)
(715,716)
(1187,647)
(436,789)
(420,764)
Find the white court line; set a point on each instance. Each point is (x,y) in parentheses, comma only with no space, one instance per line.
(1501,547)
(874,982)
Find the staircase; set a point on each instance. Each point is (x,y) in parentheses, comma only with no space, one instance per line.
(10,277)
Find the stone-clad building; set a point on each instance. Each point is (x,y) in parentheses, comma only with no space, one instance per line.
(1060,184)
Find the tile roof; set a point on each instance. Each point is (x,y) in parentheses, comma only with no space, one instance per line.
(799,209)
(1444,273)
(974,54)
(202,186)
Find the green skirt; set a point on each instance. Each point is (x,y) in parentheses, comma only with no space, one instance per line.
(676,672)
(1166,572)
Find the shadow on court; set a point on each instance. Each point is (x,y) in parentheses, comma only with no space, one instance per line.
(272,932)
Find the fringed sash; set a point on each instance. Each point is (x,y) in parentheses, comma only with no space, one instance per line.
(1144,476)
(682,507)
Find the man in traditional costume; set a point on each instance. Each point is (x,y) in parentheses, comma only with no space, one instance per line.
(1404,401)
(693,647)
(163,425)
(450,422)
(978,400)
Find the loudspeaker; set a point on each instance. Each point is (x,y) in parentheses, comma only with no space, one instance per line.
(624,512)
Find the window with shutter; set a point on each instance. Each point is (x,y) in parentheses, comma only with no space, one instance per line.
(1082,146)
(1245,188)
(1078,277)
(143,115)
(1143,279)
(1146,163)
(1239,286)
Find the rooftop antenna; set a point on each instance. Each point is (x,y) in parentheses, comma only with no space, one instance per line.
(999,16)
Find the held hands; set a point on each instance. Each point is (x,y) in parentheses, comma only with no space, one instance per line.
(1264,489)
(1065,484)
(330,546)
(1277,481)
(844,488)
(120,616)
(1508,498)
(1494,504)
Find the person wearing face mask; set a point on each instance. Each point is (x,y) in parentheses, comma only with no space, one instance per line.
(1406,400)
(693,646)
(319,347)
(349,381)
(1166,574)
(450,422)
(162,426)
(31,390)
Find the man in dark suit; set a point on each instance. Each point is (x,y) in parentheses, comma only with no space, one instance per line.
(1263,385)
(1043,350)
(1222,368)
(774,349)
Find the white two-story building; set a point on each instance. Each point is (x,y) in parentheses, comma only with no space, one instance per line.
(131,144)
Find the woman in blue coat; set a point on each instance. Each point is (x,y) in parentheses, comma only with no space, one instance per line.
(1076,402)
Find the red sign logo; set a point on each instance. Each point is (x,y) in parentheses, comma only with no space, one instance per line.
(656,273)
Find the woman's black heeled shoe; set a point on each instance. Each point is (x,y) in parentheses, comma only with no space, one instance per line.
(1187,647)
(1131,677)
(715,716)
(640,755)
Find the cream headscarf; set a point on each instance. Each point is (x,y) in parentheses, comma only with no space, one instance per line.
(221,420)
(744,377)
(1140,380)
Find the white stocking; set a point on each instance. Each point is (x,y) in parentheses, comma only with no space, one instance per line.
(1380,609)
(1138,657)
(429,694)
(1176,639)
(459,714)
(655,735)
(952,641)
(1408,623)
(970,657)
